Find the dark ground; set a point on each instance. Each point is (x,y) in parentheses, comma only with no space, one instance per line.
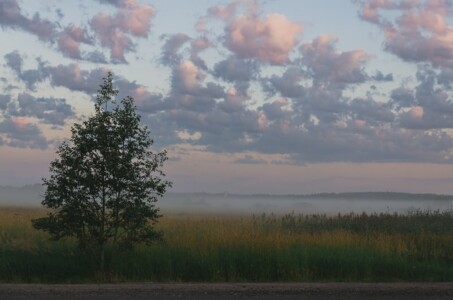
(265,291)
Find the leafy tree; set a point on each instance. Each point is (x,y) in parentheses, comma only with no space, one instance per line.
(106,180)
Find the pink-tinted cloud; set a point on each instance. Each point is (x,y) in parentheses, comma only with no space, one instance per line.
(189,76)
(234,101)
(431,18)
(330,65)
(76,79)
(11,16)
(133,17)
(370,8)
(200,25)
(227,12)
(306,112)
(21,133)
(421,32)
(270,39)
(20,123)
(112,37)
(198,45)
(47,110)
(416,112)
(190,90)
(115,32)
(69,41)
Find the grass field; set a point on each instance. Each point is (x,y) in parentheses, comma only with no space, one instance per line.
(263,248)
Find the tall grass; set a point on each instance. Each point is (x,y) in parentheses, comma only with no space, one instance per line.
(417,246)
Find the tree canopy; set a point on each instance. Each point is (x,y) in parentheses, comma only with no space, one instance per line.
(105,181)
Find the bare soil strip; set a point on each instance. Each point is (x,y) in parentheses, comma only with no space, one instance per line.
(251,289)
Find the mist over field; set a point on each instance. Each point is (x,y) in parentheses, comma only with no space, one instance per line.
(304,204)
(227,203)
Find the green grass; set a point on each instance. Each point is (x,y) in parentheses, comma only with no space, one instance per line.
(266,248)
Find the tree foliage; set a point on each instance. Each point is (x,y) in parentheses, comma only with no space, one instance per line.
(106,180)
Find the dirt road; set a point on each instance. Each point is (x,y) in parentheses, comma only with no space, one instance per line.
(265,291)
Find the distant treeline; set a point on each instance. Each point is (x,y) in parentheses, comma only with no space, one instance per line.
(381,196)
(327,196)
(32,195)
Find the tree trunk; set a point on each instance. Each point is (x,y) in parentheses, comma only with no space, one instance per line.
(102,260)
(102,233)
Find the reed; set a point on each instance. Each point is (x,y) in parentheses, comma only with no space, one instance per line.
(417,246)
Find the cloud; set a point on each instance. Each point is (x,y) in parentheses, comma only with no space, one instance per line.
(372,111)
(31,76)
(304,114)
(112,2)
(270,39)
(328,65)
(321,104)
(420,32)
(412,118)
(4,100)
(430,94)
(69,41)
(173,51)
(426,106)
(260,89)
(249,160)
(402,97)
(370,8)
(198,45)
(146,101)
(187,81)
(288,85)
(70,76)
(21,115)
(276,111)
(75,79)
(95,57)
(117,32)
(14,61)
(319,124)
(149,102)
(132,20)
(421,118)
(236,70)
(234,101)
(53,111)
(12,17)
(379,76)
(112,37)
(172,45)
(347,144)
(446,77)
(187,78)
(21,133)
(226,12)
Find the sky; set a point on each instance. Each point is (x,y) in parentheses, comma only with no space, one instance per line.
(276,96)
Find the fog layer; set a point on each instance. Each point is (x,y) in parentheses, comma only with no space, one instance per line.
(225,203)
(304,204)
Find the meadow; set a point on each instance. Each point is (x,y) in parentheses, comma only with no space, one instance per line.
(384,247)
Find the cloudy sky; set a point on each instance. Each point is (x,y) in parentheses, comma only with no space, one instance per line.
(275,96)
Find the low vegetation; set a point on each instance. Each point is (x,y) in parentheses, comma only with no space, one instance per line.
(417,246)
